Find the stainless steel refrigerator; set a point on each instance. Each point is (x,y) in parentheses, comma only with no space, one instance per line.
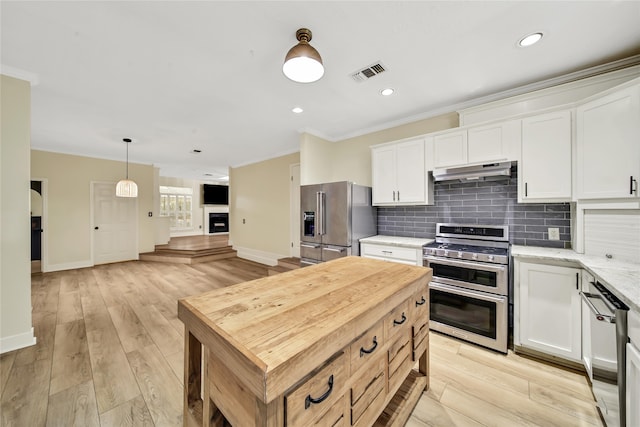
(334,217)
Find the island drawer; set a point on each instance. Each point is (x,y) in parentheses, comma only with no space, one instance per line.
(419,306)
(335,416)
(366,388)
(397,320)
(366,347)
(400,360)
(311,399)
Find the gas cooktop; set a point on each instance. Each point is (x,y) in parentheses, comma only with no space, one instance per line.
(482,243)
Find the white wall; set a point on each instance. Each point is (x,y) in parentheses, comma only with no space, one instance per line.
(16,329)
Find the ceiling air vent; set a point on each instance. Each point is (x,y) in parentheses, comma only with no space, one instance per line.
(366,73)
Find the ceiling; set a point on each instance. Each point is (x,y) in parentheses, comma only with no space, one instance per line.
(182,76)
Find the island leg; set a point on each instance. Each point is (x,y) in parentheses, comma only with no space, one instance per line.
(423,363)
(193,405)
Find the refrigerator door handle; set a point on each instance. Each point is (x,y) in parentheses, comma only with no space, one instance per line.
(320,202)
(318,215)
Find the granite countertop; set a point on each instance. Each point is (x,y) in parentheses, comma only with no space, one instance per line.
(621,278)
(405,242)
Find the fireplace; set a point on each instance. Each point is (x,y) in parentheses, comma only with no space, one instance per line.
(218,222)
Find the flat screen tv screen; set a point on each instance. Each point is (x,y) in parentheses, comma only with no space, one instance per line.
(215,194)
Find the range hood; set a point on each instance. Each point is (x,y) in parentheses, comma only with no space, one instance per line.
(486,172)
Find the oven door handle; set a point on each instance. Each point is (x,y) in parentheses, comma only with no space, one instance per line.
(471,265)
(463,292)
(586,297)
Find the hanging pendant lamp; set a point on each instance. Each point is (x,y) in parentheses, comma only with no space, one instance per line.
(303,63)
(126,187)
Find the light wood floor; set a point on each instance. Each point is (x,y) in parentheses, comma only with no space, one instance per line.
(110,353)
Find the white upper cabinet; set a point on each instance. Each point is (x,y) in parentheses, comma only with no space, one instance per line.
(493,143)
(399,176)
(482,144)
(608,146)
(545,168)
(450,149)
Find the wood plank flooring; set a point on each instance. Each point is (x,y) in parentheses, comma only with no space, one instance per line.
(110,353)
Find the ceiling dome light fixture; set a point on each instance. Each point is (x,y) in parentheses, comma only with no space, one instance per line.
(297,110)
(386,92)
(530,39)
(303,63)
(126,187)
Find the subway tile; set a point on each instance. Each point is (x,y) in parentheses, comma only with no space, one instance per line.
(488,202)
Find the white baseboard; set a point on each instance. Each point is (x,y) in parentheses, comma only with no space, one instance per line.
(15,342)
(67,266)
(267,258)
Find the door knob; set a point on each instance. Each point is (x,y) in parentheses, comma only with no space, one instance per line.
(96,227)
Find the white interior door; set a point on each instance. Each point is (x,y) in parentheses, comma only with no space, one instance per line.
(115,230)
(295,210)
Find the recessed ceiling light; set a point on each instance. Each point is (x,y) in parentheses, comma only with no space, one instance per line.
(297,110)
(530,39)
(386,92)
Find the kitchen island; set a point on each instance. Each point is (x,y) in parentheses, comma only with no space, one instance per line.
(330,344)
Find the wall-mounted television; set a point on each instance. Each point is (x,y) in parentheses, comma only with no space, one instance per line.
(215,194)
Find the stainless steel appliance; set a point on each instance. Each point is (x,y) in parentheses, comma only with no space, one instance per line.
(334,217)
(604,344)
(470,287)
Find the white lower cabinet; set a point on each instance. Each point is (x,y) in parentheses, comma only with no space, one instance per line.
(402,255)
(633,371)
(548,309)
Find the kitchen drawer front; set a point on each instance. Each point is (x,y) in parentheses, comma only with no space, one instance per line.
(367,347)
(310,250)
(334,252)
(391,253)
(335,416)
(318,393)
(366,388)
(400,361)
(397,321)
(419,306)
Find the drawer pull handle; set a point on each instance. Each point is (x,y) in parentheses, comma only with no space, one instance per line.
(401,321)
(309,400)
(369,351)
(421,302)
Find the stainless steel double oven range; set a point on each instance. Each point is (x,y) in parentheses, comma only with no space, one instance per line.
(470,287)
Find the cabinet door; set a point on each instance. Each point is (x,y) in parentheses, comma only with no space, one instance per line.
(410,172)
(493,143)
(450,149)
(545,171)
(383,165)
(633,385)
(608,148)
(550,309)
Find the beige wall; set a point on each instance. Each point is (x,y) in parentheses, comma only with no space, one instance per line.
(69,204)
(350,159)
(259,194)
(15,225)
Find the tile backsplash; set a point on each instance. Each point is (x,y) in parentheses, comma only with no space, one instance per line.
(487,202)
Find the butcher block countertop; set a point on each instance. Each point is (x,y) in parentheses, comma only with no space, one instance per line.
(274,330)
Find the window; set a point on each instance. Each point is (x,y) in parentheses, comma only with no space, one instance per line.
(176,203)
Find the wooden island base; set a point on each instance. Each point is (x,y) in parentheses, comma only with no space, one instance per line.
(329,345)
